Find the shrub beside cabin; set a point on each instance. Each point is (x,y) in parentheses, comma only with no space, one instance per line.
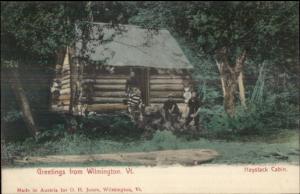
(92,75)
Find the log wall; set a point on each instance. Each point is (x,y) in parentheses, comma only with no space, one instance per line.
(106,92)
(107,89)
(61,86)
(162,85)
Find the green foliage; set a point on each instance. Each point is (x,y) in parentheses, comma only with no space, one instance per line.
(163,140)
(12,116)
(261,118)
(264,149)
(108,125)
(57,132)
(237,25)
(36,31)
(31,33)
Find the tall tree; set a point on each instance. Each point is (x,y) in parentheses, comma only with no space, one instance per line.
(233,34)
(39,32)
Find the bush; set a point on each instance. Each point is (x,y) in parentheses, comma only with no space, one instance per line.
(111,125)
(161,140)
(268,116)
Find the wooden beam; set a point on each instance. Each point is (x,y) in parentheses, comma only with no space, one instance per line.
(162,100)
(110,94)
(101,76)
(64,97)
(65,91)
(59,108)
(181,106)
(107,107)
(109,87)
(163,87)
(105,100)
(65,86)
(66,70)
(63,102)
(66,77)
(110,81)
(166,93)
(167,81)
(66,81)
(169,77)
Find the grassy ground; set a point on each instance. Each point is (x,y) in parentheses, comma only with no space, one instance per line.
(282,147)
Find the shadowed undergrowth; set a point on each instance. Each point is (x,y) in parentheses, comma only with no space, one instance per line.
(284,147)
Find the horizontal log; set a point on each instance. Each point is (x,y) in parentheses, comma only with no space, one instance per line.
(106,107)
(66,77)
(66,67)
(167,81)
(165,157)
(110,81)
(87,81)
(169,77)
(64,97)
(105,100)
(65,86)
(63,102)
(162,100)
(65,72)
(181,106)
(59,108)
(109,94)
(166,93)
(100,76)
(65,91)
(66,81)
(109,87)
(163,87)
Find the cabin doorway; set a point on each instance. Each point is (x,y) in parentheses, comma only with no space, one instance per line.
(142,77)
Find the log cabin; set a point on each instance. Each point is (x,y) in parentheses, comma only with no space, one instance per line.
(92,74)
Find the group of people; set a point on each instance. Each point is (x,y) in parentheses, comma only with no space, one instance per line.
(170,111)
(173,114)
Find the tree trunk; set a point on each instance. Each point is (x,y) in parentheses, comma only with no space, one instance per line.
(23,102)
(230,76)
(242,90)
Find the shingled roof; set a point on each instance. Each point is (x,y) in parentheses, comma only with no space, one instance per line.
(134,46)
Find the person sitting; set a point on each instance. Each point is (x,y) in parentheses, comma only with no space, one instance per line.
(171,110)
(193,110)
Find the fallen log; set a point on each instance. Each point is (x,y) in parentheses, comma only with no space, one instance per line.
(166,157)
